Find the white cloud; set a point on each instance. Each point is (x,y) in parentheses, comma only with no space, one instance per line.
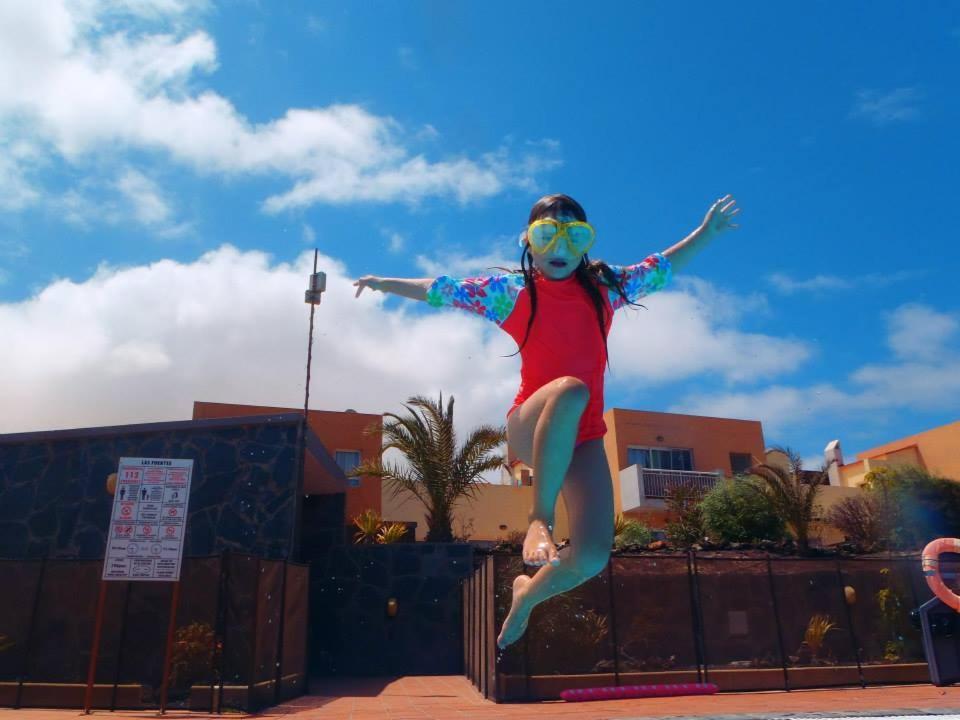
(789,285)
(819,283)
(924,375)
(88,81)
(690,330)
(456,264)
(884,108)
(146,200)
(140,344)
(10,248)
(309,234)
(146,341)
(919,332)
(129,199)
(395,241)
(16,160)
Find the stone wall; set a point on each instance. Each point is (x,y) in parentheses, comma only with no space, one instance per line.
(352,634)
(54,503)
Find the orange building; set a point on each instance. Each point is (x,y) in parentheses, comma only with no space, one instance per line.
(649,452)
(936,450)
(344,436)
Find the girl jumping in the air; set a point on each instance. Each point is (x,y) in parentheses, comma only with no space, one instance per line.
(559,308)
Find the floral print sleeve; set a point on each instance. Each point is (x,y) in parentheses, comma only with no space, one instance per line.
(641,279)
(490,297)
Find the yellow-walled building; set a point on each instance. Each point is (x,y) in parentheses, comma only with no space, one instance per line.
(936,450)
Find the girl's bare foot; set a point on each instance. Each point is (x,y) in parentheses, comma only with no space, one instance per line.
(538,547)
(516,622)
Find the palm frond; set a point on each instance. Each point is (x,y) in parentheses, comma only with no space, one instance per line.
(439,473)
(792,498)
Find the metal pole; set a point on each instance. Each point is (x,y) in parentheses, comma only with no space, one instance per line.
(94,648)
(313,296)
(613,624)
(251,687)
(283,613)
(699,612)
(693,619)
(225,574)
(168,653)
(313,308)
(853,634)
(217,663)
(776,617)
(33,623)
(123,638)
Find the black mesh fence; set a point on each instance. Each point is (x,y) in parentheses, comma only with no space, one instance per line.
(744,623)
(239,637)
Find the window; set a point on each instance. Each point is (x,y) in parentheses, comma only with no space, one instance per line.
(348,460)
(740,462)
(660,458)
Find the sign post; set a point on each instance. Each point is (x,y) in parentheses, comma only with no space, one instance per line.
(145,540)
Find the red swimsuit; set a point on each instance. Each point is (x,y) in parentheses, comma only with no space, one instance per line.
(565,338)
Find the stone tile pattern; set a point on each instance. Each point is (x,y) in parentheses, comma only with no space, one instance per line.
(351,632)
(53,499)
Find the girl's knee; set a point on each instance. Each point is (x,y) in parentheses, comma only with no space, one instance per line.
(572,391)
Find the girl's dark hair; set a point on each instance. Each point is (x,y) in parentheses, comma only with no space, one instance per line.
(589,274)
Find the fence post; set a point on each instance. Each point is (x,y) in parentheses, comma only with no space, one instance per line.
(25,667)
(283,612)
(613,624)
(776,617)
(123,639)
(693,620)
(223,603)
(253,640)
(94,649)
(168,653)
(698,611)
(853,634)
(488,621)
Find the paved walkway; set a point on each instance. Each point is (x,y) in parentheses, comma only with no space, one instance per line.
(452,697)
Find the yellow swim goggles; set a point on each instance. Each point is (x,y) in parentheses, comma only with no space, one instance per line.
(543,236)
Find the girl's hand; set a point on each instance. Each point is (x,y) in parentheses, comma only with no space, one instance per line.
(720,215)
(367,281)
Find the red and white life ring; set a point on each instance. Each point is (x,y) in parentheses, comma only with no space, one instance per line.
(930,561)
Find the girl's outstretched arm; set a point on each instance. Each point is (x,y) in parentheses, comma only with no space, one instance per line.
(718,219)
(415,288)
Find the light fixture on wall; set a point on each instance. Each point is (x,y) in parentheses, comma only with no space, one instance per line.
(392,607)
(502,527)
(659,438)
(111,483)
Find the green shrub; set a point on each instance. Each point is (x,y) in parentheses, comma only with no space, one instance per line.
(926,506)
(686,528)
(633,532)
(739,511)
(868,520)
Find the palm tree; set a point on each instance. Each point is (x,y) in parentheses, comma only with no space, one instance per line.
(793,498)
(436,472)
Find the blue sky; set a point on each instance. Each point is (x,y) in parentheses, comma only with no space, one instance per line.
(165,168)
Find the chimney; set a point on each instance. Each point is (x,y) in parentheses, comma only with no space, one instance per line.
(833,457)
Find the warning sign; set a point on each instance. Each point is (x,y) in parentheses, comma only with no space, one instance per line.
(145,541)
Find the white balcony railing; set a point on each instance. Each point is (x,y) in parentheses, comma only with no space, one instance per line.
(637,484)
(657,483)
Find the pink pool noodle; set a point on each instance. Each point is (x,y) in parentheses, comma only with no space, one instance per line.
(638,691)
